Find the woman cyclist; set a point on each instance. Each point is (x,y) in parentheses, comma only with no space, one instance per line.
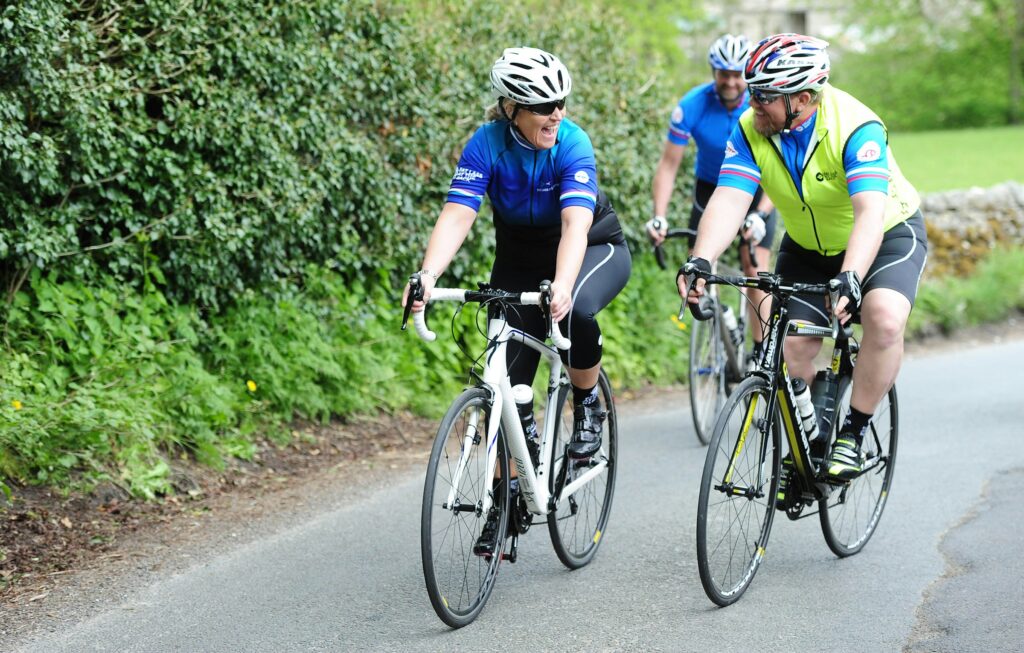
(551,222)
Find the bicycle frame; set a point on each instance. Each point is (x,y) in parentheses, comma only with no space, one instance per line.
(533,481)
(782,390)
(776,372)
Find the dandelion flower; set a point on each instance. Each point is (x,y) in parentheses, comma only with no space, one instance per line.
(16,404)
(251,385)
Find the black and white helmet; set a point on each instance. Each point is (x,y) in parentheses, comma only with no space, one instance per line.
(530,76)
(729,52)
(788,63)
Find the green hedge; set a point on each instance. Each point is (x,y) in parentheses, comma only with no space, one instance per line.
(207,212)
(239,142)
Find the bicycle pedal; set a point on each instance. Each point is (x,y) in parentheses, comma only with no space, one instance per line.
(513,550)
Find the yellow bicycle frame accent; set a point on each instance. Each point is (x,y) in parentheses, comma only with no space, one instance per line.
(743,438)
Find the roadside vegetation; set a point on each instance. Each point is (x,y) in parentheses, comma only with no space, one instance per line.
(207,217)
(943,160)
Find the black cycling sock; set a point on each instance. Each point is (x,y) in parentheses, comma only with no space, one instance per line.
(583,396)
(855,424)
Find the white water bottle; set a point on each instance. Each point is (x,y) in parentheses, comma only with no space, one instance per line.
(729,319)
(805,408)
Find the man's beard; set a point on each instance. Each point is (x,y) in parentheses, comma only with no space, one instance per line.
(764,128)
(729,97)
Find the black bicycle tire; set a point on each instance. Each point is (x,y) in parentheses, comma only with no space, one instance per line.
(712,587)
(452,616)
(830,516)
(569,558)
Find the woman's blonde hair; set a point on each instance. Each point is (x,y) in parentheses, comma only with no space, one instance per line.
(495,112)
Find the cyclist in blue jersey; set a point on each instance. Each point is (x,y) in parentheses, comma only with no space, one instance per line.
(849,213)
(537,167)
(706,116)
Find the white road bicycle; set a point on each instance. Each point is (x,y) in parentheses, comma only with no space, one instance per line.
(480,438)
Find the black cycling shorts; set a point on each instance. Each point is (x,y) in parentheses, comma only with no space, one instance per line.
(898,266)
(702,192)
(605,270)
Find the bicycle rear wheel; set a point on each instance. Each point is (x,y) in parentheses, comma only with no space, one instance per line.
(577,525)
(850,515)
(459,581)
(736,505)
(707,375)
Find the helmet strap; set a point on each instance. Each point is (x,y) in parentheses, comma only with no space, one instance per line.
(790,115)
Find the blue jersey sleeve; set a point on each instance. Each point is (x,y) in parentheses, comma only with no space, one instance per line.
(578,172)
(739,170)
(866,160)
(678,130)
(469,183)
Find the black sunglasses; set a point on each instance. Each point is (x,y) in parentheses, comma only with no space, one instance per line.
(764,98)
(544,108)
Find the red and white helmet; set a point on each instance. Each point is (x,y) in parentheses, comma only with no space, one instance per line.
(788,63)
(530,76)
(729,52)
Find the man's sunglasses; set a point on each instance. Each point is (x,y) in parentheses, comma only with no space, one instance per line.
(764,98)
(544,108)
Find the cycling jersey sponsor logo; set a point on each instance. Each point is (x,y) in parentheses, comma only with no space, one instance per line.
(730,151)
(466,174)
(869,151)
(677,114)
(827,175)
(581,176)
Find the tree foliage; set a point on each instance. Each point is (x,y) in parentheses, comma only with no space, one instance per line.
(199,195)
(235,143)
(937,64)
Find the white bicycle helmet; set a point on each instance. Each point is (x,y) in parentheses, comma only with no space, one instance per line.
(530,76)
(788,63)
(729,52)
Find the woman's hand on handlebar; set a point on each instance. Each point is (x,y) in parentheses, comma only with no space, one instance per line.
(561,301)
(428,282)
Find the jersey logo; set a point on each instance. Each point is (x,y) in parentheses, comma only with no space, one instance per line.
(869,151)
(830,175)
(677,114)
(581,176)
(466,174)
(730,151)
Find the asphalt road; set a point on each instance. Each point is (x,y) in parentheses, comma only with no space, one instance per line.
(942,573)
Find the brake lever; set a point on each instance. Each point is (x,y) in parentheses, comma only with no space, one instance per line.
(415,295)
(703,310)
(833,300)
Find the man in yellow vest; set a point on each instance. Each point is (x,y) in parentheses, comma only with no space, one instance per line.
(823,159)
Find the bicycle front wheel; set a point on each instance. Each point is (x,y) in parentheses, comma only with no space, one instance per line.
(459,581)
(578,522)
(850,515)
(736,505)
(707,375)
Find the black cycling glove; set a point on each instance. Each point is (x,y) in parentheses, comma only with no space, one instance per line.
(847,284)
(700,265)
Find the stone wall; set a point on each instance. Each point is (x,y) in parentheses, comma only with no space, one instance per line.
(965,225)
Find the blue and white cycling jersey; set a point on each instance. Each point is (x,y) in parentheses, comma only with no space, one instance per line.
(527,187)
(741,171)
(701,116)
